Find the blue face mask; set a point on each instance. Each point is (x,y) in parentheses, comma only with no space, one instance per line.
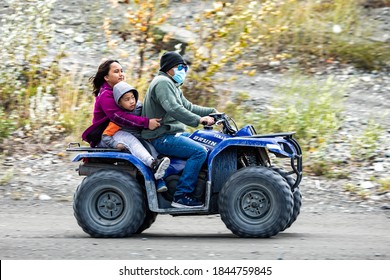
(180,75)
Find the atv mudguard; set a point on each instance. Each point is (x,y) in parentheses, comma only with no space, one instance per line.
(146,172)
(275,143)
(222,160)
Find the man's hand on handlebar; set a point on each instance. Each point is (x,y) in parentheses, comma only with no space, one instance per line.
(206,120)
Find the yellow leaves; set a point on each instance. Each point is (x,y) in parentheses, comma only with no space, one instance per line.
(284,28)
(106,29)
(131,17)
(242,65)
(140,25)
(282,56)
(143,28)
(218,6)
(167,37)
(224,59)
(250,73)
(112,43)
(123,54)
(253,5)
(61,154)
(147,14)
(106,25)
(218,10)
(209,45)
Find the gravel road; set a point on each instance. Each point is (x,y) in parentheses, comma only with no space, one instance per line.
(47,230)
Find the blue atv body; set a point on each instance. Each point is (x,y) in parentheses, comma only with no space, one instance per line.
(255,198)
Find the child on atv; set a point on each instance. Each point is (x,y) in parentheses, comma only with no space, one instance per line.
(127,98)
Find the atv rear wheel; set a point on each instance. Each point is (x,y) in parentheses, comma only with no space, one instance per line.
(109,203)
(256,202)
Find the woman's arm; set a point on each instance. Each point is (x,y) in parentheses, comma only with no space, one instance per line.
(119,116)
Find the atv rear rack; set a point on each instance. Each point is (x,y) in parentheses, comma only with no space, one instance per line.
(79,148)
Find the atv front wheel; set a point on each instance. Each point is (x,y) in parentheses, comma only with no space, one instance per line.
(297,207)
(296,195)
(150,218)
(109,203)
(256,202)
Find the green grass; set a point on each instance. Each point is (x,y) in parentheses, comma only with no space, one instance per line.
(363,146)
(307,106)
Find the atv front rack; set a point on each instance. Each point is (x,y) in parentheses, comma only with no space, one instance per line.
(296,166)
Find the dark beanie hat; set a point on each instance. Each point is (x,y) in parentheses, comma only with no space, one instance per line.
(169,60)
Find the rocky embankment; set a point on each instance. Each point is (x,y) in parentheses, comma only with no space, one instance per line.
(39,172)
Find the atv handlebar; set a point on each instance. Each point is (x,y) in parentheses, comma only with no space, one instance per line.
(217,116)
(224,120)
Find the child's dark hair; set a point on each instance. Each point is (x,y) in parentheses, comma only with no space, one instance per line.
(98,80)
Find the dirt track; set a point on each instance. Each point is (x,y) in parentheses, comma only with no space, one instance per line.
(48,230)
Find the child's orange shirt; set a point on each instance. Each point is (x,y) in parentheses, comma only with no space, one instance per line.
(111,129)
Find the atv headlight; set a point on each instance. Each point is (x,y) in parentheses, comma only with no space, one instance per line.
(285,147)
(273,147)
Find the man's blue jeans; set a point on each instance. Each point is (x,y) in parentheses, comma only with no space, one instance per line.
(181,146)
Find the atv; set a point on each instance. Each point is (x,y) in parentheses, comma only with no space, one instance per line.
(118,197)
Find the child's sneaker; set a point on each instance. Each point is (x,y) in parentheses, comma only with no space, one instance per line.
(159,167)
(185,201)
(161,187)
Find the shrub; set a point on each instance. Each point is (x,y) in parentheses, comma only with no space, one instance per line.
(307,106)
(24,40)
(139,25)
(384,184)
(363,146)
(7,124)
(213,49)
(75,104)
(277,30)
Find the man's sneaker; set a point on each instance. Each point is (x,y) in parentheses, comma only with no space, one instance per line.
(160,166)
(161,187)
(185,201)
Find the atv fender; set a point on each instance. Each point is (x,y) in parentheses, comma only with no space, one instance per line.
(222,161)
(146,171)
(278,145)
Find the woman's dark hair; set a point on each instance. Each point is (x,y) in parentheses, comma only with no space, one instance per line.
(98,80)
